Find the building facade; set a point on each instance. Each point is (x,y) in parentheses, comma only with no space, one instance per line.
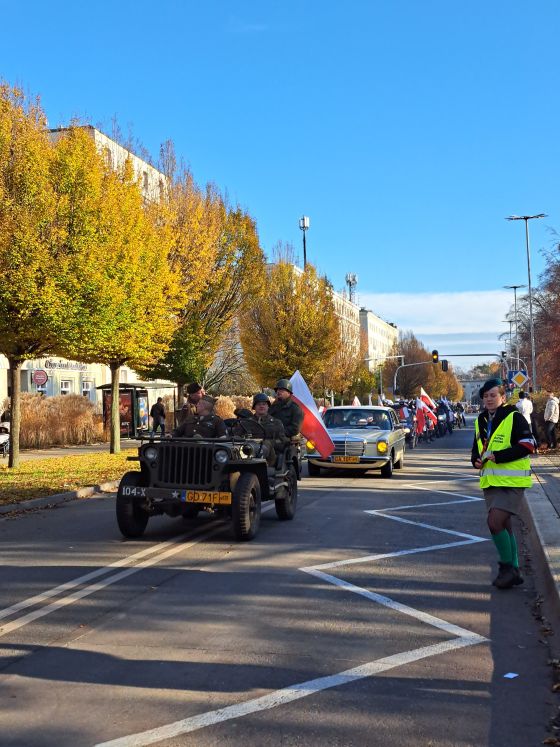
(380,336)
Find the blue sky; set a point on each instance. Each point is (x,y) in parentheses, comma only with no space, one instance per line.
(407,131)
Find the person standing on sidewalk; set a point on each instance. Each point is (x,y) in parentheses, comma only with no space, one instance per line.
(157,414)
(501,448)
(551,413)
(525,406)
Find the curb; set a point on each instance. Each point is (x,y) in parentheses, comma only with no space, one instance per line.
(57,498)
(544,529)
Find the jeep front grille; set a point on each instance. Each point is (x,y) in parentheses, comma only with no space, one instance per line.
(185,464)
(348,448)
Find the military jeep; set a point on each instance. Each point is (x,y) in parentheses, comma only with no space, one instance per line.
(228,477)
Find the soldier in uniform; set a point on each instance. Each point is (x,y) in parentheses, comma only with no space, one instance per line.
(195,392)
(285,409)
(204,424)
(262,425)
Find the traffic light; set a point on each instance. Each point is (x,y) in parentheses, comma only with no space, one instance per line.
(435,356)
(444,365)
(504,354)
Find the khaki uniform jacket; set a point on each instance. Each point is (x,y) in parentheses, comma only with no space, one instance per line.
(207,426)
(290,414)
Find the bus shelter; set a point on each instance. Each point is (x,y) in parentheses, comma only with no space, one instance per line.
(135,402)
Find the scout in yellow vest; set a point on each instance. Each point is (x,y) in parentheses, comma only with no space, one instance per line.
(501,448)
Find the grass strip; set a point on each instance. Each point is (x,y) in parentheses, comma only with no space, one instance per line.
(43,477)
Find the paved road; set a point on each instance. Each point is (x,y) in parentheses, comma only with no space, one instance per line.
(368,620)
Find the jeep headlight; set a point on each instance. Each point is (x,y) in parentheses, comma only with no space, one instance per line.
(151,453)
(382,447)
(221,456)
(247,451)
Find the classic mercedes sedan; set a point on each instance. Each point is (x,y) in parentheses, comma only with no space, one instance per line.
(364,438)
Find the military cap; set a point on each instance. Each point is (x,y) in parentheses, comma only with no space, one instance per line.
(193,388)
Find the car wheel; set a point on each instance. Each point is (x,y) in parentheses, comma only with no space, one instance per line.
(246,510)
(286,507)
(387,469)
(313,470)
(131,518)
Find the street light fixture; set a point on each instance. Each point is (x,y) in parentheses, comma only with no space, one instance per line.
(304,225)
(527,218)
(514,289)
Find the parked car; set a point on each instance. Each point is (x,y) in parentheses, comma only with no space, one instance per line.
(364,438)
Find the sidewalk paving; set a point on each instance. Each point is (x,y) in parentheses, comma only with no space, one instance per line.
(64,451)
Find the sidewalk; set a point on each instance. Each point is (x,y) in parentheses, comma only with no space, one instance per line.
(64,451)
(543,520)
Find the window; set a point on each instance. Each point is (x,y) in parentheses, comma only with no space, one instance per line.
(145,181)
(66,387)
(86,388)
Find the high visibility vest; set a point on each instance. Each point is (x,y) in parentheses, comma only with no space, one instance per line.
(516,474)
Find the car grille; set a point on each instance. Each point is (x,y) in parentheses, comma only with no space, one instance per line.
(348,448)
(185,464)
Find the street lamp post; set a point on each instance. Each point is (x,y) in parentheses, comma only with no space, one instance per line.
(304,225)
(514,289)
(527,218)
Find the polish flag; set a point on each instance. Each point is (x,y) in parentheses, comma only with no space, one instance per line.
(312,427)
(421,406)
(425,397)
(420,420)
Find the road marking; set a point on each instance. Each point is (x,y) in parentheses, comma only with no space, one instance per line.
(289,694)
(310,687)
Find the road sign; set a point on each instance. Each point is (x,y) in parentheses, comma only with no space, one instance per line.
(40,377)
(519,378)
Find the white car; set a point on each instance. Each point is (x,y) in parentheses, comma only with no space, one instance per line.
(364,438)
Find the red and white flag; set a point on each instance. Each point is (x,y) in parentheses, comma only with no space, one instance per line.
(356,402)
(421,406)
(312,427)
(425,397)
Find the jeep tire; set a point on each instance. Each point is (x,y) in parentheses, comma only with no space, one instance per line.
(131,518)
(246,508)
(286,507)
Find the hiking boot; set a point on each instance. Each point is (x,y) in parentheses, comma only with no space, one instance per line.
(506,577)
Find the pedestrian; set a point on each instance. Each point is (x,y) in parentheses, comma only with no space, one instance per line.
(525,406)
(157,413)
(501,448)
(551,413)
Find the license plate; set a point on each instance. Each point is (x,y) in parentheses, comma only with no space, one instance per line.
(346,459)
(207,496)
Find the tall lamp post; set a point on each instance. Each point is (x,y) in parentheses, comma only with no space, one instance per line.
(514,289)
(527,218)
(304,225)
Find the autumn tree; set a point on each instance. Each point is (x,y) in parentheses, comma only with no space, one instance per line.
(217,253)
(30,304)
(118,276)
(291,326)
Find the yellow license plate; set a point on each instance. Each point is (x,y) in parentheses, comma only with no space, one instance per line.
(346,459)
(208,496)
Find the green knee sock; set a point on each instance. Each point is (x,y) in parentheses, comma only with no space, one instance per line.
(504,546)
(514,555)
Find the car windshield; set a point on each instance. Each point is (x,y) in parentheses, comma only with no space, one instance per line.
(355,418)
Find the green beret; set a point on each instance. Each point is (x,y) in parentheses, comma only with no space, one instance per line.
(490,384)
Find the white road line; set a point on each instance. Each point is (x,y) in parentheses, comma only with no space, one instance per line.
(290,694)
(174,546)
(383,556)
(310,687)
(423,617)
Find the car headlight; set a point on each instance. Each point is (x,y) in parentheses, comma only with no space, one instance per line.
(382,447)
(221,456)
(151,453)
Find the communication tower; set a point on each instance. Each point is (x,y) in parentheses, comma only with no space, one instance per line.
(352,282)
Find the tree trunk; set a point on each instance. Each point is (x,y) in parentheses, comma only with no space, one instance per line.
(115,446)
(15,411)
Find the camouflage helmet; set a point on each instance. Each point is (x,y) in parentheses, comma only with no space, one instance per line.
(284,384)
(260,397)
